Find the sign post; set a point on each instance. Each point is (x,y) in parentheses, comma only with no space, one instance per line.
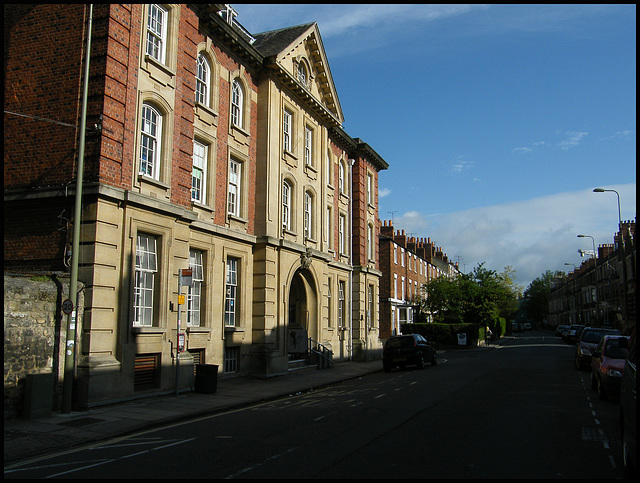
(185,277)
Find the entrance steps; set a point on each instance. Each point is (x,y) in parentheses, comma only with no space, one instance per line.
(300,364)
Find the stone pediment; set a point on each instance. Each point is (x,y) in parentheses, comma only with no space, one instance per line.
(297,57)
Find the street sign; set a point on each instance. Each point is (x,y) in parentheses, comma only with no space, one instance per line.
(67,306)
(186,276)
(180,299)
(181,342)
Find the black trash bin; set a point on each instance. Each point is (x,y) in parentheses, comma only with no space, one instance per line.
(206,378)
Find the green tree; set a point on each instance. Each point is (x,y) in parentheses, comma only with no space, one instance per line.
(481,296)
(535,299)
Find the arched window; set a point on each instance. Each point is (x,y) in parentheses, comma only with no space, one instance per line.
(237,103)
(302,73)
(150,141)
(203,80)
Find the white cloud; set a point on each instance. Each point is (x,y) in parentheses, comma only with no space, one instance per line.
(573,139)
(384,192)
(531,236)
(459,165)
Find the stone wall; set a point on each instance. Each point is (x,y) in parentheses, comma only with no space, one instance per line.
(34,334)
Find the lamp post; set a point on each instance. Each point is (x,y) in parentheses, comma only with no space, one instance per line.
(622,260)
(595,271)
(602,190)
(70,349)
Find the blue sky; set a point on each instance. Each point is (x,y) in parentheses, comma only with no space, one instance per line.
(497,121)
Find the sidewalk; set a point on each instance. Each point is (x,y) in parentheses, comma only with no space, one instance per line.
(24,439)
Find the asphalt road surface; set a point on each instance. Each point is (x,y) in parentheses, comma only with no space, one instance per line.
(518,411)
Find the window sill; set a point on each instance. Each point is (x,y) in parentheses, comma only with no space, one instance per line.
(145,329)
(202,206)
(237,219)
(159,71)
(153,181)
(206,114)
(290,158)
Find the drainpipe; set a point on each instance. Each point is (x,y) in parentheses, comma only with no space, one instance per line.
(353,161)
(70,350)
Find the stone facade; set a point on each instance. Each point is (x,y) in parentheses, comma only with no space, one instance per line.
(210,150)
(34,333)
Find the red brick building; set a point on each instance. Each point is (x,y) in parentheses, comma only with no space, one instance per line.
(407,263)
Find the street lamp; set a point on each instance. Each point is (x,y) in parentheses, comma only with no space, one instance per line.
(594,245)
(573,265)
(602,190)
(595,270)
(622,260)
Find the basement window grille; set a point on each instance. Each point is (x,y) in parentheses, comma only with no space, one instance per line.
(147,372)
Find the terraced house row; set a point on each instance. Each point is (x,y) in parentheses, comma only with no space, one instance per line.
(207,148)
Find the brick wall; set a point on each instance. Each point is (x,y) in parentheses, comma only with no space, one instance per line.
(41,153)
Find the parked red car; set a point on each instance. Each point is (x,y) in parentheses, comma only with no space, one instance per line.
(607,366)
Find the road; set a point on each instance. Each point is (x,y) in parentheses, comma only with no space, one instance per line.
(519,411)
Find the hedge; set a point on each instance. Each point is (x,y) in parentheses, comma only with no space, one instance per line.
(443,334)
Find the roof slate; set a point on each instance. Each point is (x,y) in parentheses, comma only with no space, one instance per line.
(274,41)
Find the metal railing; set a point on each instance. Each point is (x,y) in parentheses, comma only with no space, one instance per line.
(322,353)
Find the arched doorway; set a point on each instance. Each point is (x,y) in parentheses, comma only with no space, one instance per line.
(302,316)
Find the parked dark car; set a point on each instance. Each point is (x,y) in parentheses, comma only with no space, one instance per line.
(628,411)
(607,366)
(587,343)
(561,330)
(573,334)
(403,350)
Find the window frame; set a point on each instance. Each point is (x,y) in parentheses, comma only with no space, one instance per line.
(308,215)
(342,227)
(308,145)
(370,306)
(237,103)
(341,303)
(287,130)
(202,198)
(145,286)
(234,188)
(232,270)
(155,138)
(203,85)
(195,296)
(287,191)
(156,39)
